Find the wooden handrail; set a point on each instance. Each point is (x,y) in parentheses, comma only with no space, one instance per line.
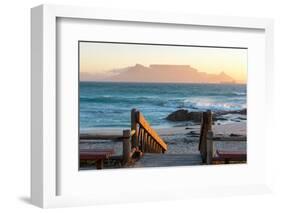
(141,138)
(146,138)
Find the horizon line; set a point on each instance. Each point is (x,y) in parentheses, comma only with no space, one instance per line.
(152,82)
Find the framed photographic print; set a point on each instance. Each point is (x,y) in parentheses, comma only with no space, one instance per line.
(163,103)
(165,109)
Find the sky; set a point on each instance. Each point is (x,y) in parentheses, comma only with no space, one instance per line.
(100,58)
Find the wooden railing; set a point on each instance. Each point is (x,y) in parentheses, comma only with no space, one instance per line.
(140,139)
(207,140)
(145,138)
(127,152)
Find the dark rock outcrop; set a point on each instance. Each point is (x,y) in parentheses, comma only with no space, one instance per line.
(179,115)
(184,115)
(195,116)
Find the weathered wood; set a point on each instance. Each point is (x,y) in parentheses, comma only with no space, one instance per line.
(148,143)
(100,137)
(203,129)
(142,121)
(234,138)
(134,128)
(201,132)
(141,139)
(98,155)
(94,155)
(209,120)
(110,151)
(145,142)
(159,160)
(157,149)
(206,125)
(210,146)
(153,147)
(99,164)
(227,156)
(126,146)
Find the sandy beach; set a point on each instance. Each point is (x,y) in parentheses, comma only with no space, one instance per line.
(180,139)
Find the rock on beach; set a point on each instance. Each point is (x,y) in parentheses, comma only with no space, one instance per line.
(185,115)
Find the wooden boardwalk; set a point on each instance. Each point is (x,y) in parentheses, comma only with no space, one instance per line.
(164,160)
(142,147)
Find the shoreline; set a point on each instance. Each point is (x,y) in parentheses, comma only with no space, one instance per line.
(180,140)
(237,128)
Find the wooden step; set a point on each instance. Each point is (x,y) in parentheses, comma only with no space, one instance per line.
(165,160)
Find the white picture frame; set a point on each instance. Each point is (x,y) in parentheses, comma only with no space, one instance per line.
(45,168)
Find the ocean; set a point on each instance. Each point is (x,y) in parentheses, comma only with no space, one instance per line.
(107,104)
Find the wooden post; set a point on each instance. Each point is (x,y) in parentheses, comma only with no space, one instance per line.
(134,127)
(139,136)
(145,141)
(209,120)
(158,149)
(142,140)
(99,164)
(126,146)
(203,137)
(148,143)
(209,156)
(206,125)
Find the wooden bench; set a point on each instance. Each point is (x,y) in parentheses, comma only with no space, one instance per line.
(98,155)
(228,156)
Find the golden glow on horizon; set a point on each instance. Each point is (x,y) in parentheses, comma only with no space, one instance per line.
(102,57)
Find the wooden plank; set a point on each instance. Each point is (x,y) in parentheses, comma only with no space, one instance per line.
(234,138)
(97,136)
(111,151)
(158,160)
(142,121)
(94,155)
(101,137)
(231,155)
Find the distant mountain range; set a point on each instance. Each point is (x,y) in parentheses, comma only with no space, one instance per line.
(158,73)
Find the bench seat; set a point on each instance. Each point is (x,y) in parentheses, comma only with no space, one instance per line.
(98,155)
(227,156)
